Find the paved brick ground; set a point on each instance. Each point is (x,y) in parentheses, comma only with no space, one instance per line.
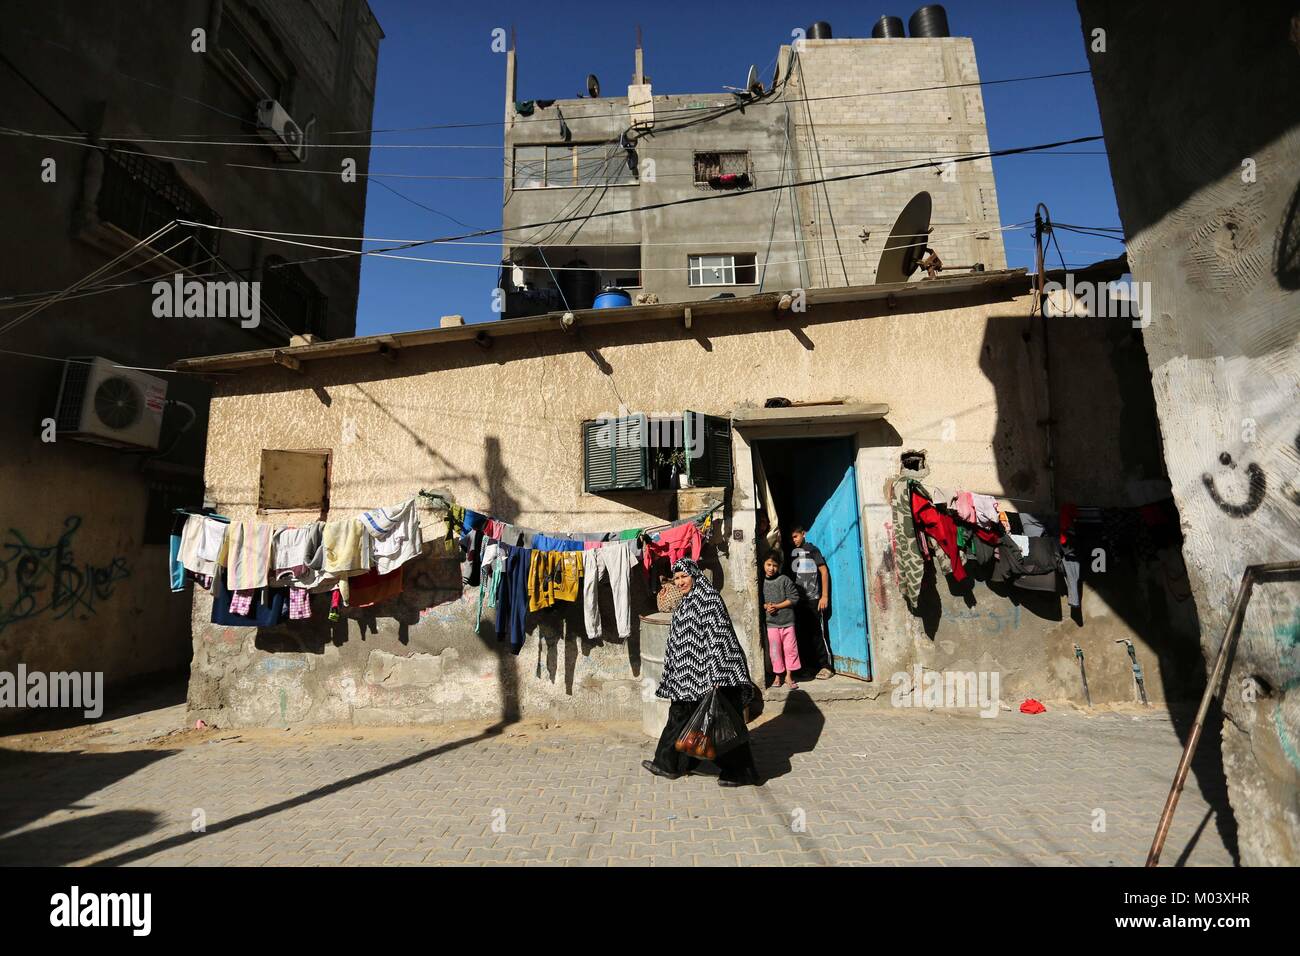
(852,784)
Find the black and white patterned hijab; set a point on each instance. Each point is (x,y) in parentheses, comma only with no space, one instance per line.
(703,650)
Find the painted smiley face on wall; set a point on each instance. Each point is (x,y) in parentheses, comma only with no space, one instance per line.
(1256,486)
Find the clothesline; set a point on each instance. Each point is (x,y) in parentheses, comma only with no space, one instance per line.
(696,518)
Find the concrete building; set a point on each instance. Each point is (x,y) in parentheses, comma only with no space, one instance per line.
(105,86)
(1205,158)
(493,417)
(821,116)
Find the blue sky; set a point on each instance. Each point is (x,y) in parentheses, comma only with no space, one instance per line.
(436,66)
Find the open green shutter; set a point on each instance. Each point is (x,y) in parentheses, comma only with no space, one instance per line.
(710,437)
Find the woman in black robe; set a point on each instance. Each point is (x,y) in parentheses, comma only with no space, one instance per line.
(703,652)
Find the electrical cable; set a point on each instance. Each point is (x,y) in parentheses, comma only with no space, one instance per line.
(714,198)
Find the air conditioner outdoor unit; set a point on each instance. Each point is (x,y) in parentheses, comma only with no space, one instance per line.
(103,404)
(279,130)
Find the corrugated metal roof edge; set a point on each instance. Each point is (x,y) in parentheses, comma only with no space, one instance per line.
(484,332)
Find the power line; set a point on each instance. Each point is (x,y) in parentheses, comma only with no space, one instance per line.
(707,198)
(186,140)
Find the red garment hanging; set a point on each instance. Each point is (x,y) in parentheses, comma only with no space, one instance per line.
(930,520)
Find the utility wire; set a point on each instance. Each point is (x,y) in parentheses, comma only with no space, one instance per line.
(708,198)
(719,109)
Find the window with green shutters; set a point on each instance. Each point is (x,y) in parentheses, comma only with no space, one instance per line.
(616,454)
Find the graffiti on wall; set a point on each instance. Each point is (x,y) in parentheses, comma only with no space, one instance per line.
(1257,488)
(37,580)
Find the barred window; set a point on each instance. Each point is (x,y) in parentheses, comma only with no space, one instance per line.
(723,170)
(141,194)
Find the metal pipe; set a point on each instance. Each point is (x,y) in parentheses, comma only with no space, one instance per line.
(1231,633)
(1078,652)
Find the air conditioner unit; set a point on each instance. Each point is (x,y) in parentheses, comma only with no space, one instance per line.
(280,131)
(103,404)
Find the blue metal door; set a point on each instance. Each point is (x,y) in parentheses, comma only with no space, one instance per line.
(823,491)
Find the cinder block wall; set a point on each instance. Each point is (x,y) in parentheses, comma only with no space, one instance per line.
(844,126)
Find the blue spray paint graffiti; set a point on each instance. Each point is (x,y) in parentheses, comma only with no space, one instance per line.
(49,579)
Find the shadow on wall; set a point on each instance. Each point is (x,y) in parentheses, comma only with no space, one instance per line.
(1144,586)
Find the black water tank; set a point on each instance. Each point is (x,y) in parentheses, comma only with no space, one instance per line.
(930,20)
(888,28)
(821,30)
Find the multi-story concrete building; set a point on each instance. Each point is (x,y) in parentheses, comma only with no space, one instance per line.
(831,110)
(119,120)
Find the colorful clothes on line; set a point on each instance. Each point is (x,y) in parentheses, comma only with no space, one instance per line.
(683,541)
(553,576)
(940,527)
(241,602)
(299,604)
(631,534)
(909,561)
(248,555)
(512,602)
(395,535)
(371,588)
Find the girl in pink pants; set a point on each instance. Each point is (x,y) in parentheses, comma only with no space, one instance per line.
(779,599)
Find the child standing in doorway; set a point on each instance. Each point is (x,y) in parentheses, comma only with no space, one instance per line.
(812,581)
(779,598)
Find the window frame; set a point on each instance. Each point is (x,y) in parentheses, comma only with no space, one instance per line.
(734,269)
(613,154)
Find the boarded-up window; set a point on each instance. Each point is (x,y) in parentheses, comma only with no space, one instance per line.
(294,480)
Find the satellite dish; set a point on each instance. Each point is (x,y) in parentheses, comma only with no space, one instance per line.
(907,241)
(593,86)
(753,83)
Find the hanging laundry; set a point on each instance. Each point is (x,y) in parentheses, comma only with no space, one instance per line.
(631,534)
(553,576)
(942,529)
(395,535)
(512,602)
(372,587)
(248,555)
(299,604)
(241,602)
(292,551)
(176,570)
(1070,566)
(345,548)
(470,542)
(201,544)
(975,509)
(909,559)
(614,563)
(493,563)
(494,529)
(1035,571)
(674,544)
(269,605)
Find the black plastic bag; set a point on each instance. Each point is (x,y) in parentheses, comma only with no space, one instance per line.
(714,729)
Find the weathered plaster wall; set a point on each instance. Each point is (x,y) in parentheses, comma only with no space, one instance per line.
(1203,132)
(499,430)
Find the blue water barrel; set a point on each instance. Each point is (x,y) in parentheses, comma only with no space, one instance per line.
(612,299)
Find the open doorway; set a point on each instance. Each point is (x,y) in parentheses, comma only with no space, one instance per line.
(812,483)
